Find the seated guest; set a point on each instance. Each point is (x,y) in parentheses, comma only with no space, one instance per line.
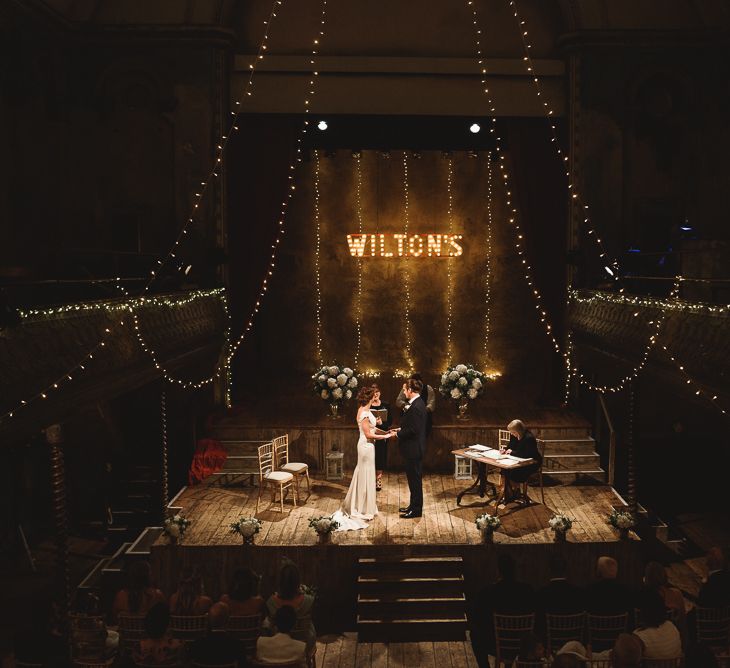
(531,649)
(655,579)
(158,647)
(659,636)
(243,598)
(573,653)
(138,597)
(626,652)
(189,598)
(560,596)
(289,592)
(521,444)
(715,592)
(608,596)
(218,647)
(281,647)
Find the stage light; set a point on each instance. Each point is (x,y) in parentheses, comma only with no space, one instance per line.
(322,125)
(474,128)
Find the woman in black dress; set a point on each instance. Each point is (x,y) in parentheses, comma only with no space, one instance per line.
(521,444)
(381,447)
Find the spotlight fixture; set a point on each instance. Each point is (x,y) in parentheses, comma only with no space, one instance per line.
(474,128)
(322,125)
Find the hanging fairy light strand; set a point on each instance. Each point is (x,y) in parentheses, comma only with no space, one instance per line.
(290,190)
(317,247)
(488,266)
(406,272)
(612,267)
(676,305)
(358,211)
(693,384)
(449,261)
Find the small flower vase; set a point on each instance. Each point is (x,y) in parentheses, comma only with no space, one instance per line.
(560,536)
(325,538)
(335,411)
(623,534)
(487,536)
(248,540)
(463,405)
(173,540)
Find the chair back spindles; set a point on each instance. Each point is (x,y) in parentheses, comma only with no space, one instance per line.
(713,627)
(508,633)
(604,629)
(564,628)
(188,627)
(247,629)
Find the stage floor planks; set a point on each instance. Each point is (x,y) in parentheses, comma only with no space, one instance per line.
(212,507)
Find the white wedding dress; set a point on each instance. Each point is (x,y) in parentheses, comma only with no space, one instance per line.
(359,504)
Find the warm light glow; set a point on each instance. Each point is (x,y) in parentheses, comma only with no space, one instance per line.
(474,128)
(402,245)
(322,125)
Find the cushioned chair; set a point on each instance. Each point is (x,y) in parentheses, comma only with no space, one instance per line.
(280,480)
(297,469)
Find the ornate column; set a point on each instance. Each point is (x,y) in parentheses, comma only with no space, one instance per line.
(630,443)
(165,484)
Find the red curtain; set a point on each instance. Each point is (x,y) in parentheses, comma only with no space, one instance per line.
(209,457)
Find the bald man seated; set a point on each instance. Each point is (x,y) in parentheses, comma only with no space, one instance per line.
(218,646)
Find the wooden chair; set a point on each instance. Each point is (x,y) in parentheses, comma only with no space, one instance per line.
(131,631)
(713,630)
(280,480)
(297,469)
(604,629)
(188,627)
(564,628)
(538,473)
(676,662)
(508,632)
(247,629)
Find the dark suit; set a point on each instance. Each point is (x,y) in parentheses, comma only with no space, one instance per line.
(525,447)
(715,593)
(609,597)
(412,444)
(561,598)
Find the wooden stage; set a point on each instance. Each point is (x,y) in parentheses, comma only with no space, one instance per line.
(444,530)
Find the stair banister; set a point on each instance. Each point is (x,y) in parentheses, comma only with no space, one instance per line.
(611,438)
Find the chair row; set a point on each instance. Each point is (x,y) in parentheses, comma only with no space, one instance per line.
(276,471)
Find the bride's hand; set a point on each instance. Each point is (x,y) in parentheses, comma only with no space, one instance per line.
(379,421)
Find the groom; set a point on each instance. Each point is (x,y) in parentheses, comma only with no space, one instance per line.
(412,443)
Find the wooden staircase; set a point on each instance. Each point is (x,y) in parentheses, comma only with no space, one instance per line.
(409,599)
(570,456)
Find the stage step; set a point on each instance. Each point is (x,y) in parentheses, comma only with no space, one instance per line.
(410,599)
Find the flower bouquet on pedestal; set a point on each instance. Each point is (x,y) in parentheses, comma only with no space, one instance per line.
(247,528)
(462,383)
(334,384)
(560,524)
(324,526)
(622,520)
(175,528)
(488,524)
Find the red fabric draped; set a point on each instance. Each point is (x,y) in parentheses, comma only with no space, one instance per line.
(209,457)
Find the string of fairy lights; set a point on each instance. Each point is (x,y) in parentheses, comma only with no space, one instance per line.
(612,268)
(317,247)
(450,260)
(694,385)
(406,273)
(488,266)
(358,212)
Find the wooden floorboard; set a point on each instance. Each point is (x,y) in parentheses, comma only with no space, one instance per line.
(212,508)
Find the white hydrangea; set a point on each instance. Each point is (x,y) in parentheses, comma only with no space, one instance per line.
(456,393)
(323,525)
(325,394)
(348,394)
(444,379)
(341,379)
(337,393)
(454,375)
(348,372)
(476,383)
(472,393)
(333,370)
(321,379)
(352,382)
(331,382)
(461,368)
(462,382)
(248,529)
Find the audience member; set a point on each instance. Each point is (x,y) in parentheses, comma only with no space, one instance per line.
(158,647)
(567,661)
(608,596)
(90,638)
(575,650)
(560,596)
(627,651)
(655,578)
(281,647)
(218,647)
(289,592)
(659,636)
(138,597)
(531,648)
(189,598)
(715,592)
(243,598)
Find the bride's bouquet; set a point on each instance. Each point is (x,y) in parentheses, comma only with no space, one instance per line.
(462,382)
(334,383)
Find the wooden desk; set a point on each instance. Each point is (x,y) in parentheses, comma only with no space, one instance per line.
(482,472)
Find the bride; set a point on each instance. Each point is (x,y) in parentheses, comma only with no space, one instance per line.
(359,504)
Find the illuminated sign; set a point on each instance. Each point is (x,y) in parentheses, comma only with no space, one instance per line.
(402,245)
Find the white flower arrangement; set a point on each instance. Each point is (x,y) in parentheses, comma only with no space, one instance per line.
(334,383)
(621,519)
(324,525)
(246,527)
(462,381)
(176,526)
(560,523)
(487,522)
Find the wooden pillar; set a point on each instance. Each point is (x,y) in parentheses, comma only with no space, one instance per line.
(630,444)
(164,472)
(54,438)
